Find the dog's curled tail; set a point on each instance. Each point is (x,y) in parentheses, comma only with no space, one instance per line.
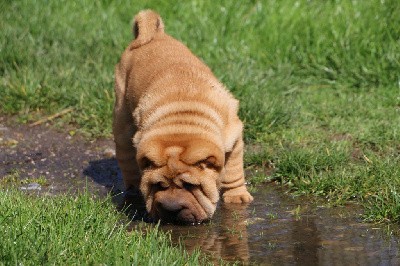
(147,24)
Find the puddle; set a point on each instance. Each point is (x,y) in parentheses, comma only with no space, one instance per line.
(274,230)
(277,230)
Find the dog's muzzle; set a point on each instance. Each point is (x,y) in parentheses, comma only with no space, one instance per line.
(177,206)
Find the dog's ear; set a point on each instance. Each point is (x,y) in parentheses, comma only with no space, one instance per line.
(147,24)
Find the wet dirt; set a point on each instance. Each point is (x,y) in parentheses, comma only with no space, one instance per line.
(68,164)
(275,229)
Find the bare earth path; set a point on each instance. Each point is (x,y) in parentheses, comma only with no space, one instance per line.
(64,161)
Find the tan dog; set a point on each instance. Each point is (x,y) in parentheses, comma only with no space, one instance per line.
(178,137)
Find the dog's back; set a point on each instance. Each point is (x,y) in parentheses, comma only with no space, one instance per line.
(154,55)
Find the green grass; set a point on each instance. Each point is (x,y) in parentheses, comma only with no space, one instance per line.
(318,81)
(65,230)
(13,180)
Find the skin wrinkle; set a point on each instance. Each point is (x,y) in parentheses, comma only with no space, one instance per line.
(200,209)
(192,125)
(212,98)
(186,118)
(181,106)
(206,204)
(173,130)
(190,156)
(233,184)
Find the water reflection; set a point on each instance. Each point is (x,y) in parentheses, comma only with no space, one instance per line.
(278,230)
(306,240)
(225,237)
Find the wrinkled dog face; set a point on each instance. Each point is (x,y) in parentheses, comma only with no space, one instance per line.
(180,180)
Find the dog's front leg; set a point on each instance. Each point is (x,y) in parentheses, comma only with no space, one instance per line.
(233,184)
(124,129)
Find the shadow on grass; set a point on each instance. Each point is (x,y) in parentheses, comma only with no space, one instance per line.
(105,172)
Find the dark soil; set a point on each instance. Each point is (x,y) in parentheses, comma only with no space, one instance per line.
(68,163)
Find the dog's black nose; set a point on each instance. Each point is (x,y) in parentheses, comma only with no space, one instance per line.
(180,215)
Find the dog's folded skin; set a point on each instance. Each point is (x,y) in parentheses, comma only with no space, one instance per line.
(178,137)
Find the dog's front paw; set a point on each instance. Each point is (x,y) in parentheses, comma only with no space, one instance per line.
(237,195)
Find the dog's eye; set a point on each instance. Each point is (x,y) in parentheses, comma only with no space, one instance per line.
(160,186)
(209,162)
(189,186)
(147,163)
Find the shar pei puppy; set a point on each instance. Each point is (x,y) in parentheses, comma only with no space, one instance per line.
(177,133)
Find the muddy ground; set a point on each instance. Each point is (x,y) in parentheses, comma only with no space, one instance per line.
(67,163)
(275,229)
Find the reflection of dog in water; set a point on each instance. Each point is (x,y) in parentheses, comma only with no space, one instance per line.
(225,238)
(187,138)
